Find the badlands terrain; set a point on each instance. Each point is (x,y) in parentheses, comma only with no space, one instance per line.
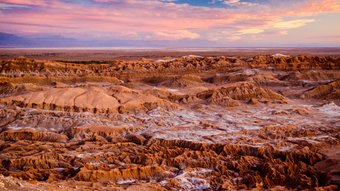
(170,122)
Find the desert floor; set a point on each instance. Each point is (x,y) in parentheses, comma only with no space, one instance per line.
(222,119)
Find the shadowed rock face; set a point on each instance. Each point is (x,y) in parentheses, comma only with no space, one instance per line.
(188,123)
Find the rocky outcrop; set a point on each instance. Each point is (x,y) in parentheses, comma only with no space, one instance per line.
(182,81)
(312,75)
(242,91)
(23,66)
(295,62)
(67,99)
(327,91)
(220,99)
(140,173)
(330,167)
(7,88)
(101,133)
(90,99)
(32,135)
(243,166)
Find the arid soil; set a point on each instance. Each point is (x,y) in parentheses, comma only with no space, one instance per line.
(264,122)
(108,54)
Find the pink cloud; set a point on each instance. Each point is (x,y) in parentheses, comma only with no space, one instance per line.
(26,2)
(155,19)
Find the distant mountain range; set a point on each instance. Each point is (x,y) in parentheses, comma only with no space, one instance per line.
(12,40)
(53,41)
(9,40)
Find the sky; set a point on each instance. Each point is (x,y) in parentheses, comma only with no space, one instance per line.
(177,23)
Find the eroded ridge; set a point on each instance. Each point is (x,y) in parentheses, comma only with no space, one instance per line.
(187,123)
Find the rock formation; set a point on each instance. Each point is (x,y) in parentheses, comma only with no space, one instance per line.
(269,122)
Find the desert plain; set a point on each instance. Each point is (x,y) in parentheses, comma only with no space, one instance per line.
(227,119)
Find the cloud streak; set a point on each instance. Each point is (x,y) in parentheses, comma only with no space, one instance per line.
(293,23)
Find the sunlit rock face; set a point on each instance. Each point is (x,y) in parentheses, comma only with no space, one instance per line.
(178,123)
